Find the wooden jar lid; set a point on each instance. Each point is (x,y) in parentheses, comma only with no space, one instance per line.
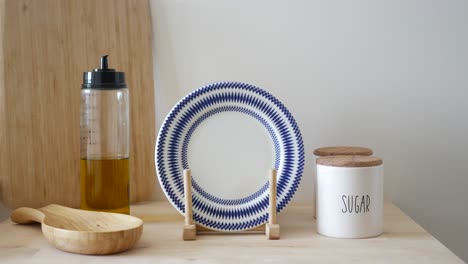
(349,161)
(343,150)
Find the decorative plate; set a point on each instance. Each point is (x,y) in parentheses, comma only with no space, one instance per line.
(229,135)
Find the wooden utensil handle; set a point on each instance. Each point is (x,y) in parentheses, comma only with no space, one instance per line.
(26,215)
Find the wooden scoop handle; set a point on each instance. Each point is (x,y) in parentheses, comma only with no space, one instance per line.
(26,215)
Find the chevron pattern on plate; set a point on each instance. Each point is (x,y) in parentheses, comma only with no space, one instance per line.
(174,138)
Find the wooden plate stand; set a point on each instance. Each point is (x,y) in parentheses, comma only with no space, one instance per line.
(190,231)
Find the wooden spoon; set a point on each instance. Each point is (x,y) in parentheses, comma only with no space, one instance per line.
(83,232)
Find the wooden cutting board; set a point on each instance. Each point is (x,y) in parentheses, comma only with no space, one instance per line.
(44,48)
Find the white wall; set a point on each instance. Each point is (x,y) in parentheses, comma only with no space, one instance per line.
(391,75)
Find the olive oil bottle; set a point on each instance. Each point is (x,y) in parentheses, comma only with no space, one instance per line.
(105,141)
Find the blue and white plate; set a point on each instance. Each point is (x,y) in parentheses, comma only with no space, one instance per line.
(229,134)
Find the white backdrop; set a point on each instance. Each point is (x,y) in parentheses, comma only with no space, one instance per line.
(390,75)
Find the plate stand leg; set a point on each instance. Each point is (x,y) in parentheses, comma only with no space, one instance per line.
(190,230)
(271,229)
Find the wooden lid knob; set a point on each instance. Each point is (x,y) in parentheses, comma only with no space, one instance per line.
(349,161)
(343,150)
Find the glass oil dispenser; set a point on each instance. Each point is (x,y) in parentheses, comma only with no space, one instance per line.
(105,140)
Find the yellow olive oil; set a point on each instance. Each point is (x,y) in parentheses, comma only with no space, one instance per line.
(105,185)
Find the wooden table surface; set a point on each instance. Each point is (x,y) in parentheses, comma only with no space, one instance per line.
(403,241)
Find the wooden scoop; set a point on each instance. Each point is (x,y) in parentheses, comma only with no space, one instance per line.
(83,232)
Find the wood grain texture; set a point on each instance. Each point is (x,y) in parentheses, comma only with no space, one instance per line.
(83,232)
(45,48)
(343,150)
(349,161)
(403,241)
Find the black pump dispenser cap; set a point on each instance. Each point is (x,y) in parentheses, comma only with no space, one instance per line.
(103,77)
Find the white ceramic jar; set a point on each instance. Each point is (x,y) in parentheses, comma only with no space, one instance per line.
(350,196)
(336,151)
